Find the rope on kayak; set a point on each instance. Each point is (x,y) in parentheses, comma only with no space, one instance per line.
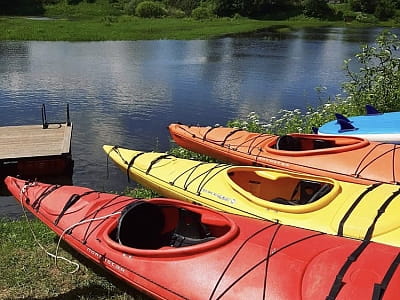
(264,260)
(338,283)
(354,205)
(379,289)
(236,254)
(191,170)
(130,164)
(51,188)
(208,131)
(23,194)
(90,230)
(68,229)
(358,171)
(230,134)
(71,201)
(204,174)
(393,161)
(154,161)
(251,147)
(204,181)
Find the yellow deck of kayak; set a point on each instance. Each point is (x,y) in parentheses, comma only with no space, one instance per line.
(348,209)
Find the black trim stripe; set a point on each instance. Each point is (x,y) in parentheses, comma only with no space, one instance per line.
(353,206)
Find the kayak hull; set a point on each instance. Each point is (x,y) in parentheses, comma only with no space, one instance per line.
(343,158)
(380,127)
(297,199)
(241,258)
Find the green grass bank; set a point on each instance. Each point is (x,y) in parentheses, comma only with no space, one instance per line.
(29,273)
(133,28)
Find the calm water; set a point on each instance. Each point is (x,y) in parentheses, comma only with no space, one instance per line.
(127,92)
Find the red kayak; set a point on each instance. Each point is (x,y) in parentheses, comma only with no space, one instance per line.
(343,158)
(175,250)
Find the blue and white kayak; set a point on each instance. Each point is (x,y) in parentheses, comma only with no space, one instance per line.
(374,126)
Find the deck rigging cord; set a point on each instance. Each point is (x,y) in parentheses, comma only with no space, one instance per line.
(55,255)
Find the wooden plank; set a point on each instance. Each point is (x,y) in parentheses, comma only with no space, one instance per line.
(34,141)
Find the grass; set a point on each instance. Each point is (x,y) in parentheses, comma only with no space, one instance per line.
(28,273)
(132,28)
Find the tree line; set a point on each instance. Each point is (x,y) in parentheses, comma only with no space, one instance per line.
(381,9)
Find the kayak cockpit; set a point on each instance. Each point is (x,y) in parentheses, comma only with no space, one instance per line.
(281,190)
(303,143)
(145,227)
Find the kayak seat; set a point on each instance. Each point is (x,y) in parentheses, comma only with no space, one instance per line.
(189,230)
(305,192)
(141,225)
(289,143)
(322,144)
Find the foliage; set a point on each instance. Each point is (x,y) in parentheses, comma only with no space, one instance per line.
(82,10)
(130,8)
(150,9)
(21,7)
(377,82)
(366,6)
(185,5)
(366,18)
(385,9)
(202,13)
(317,8)
(378,79)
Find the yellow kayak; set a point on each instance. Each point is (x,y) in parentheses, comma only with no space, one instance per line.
(318,203)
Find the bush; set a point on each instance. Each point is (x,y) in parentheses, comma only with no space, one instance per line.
(202,13)
(150,9)
(130,8)
(378,81)
(366,18)
(176,13)
(385,9)
(185,5)
(317,8)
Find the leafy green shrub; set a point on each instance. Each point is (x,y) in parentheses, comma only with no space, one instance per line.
(130,8)
(150,9)
(385,9)
(366,18)
(202,13)
(185,5)
(176,13)
(317,8)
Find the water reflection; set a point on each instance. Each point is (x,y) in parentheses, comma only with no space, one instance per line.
(127,92)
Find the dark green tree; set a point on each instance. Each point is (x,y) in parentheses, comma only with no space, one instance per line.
(385,9)
(316,8)
(21,7)
(366,6)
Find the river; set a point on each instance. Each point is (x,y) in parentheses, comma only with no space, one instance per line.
(127,92)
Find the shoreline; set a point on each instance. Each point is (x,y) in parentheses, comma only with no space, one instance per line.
(131,28)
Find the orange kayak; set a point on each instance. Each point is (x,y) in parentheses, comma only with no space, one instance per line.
(171,249)
(344,158)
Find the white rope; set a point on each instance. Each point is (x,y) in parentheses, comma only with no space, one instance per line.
(73,226)
(55,256)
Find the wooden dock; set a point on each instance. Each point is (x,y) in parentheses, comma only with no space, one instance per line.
(36,151)
(30,141)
